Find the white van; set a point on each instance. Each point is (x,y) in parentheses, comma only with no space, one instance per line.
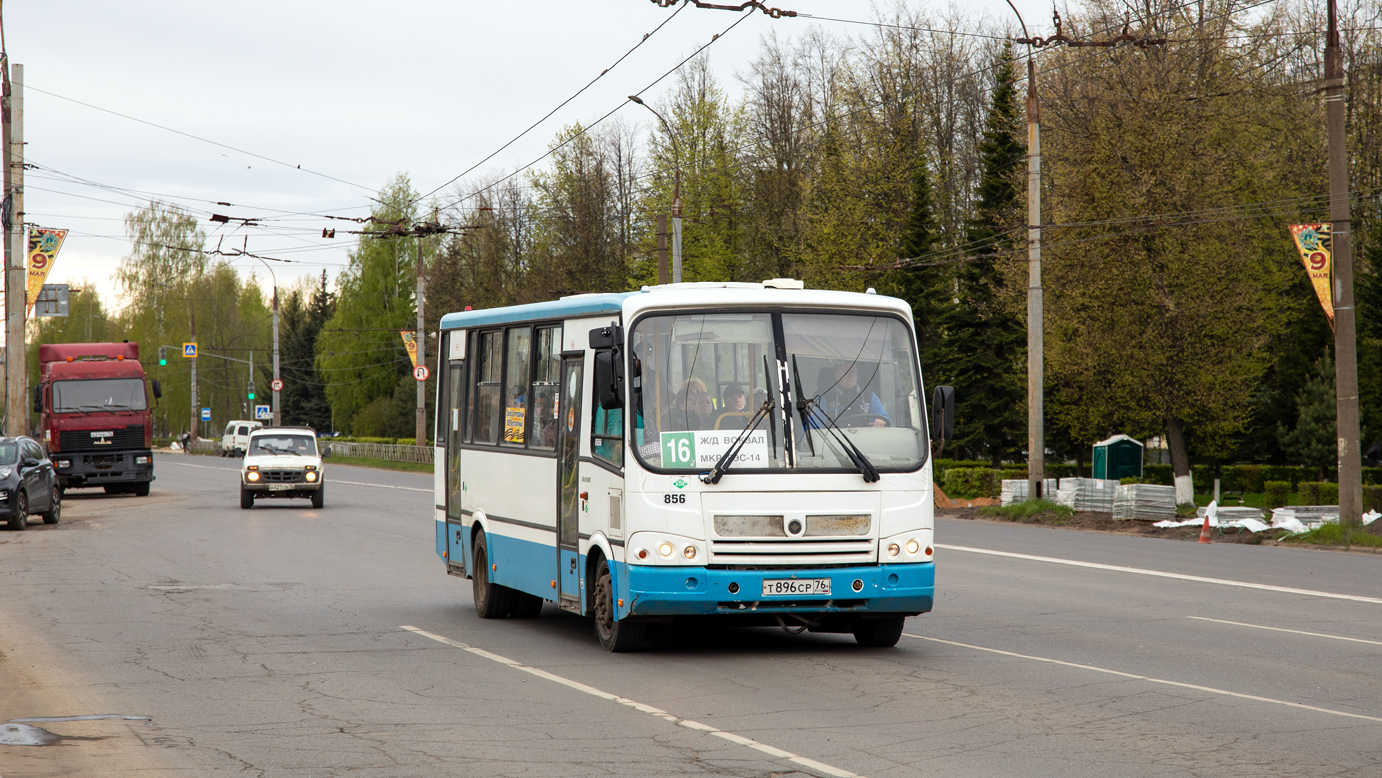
(236,439)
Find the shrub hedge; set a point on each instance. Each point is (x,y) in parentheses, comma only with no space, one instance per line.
(1278,493)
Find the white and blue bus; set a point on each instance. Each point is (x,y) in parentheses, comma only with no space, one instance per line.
(757,452)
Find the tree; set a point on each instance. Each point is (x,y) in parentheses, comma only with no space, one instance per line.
(1314,441)
(305,311)
(985,340)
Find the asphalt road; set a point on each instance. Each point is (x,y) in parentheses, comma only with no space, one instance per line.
(271,642)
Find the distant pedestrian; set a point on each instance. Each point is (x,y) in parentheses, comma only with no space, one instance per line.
(186,442)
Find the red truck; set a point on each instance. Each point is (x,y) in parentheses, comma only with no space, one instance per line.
(95,419)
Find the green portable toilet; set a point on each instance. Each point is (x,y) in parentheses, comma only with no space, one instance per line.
(1118,457)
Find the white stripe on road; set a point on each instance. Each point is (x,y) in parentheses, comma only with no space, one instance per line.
(1163,574)
(640,707)
(333,480)
(1292,631)
(1149,679)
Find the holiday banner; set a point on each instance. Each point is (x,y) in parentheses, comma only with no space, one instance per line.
(43,249)
(1315,243)
(410,343)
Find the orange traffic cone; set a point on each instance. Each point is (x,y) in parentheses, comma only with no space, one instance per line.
(1204,531)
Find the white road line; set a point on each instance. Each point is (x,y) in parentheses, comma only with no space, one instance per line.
(1149,679)
(640,707)
(1292,631)
(1162,574)
(330,480)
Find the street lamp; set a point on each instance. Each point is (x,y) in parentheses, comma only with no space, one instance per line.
(274,386)
(1036,380)
(676,191)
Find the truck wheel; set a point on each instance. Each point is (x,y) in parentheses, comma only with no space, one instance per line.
(492,601)
(319,497)
(141,489)
(246,498)
(879,633)
(615,635)
(20,519)
(54,513)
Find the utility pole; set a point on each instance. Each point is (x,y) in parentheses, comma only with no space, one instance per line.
(662,248)
(16,356)
(1345,340)
(196,410)
(276,382)
(1036,324)
(420,339)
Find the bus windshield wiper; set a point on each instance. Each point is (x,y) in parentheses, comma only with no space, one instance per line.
(852,451)
(802,405)
(727,459)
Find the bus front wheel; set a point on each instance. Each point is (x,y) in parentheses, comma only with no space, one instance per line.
(882,632)
(615,635)
(492,601)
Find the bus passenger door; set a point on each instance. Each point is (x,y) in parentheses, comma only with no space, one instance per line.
(568,486)
(455,532)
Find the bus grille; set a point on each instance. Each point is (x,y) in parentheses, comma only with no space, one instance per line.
(102,439)
(796,552)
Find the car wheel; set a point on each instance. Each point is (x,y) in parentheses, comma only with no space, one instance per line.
(54,513)
(879,633)
(615,635)
(246,498)
(20,519)
(319,497)
(141,489)
(492,601)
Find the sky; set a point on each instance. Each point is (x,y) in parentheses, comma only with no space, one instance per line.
(205,103)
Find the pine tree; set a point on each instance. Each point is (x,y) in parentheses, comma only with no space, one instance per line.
(985,339)
(927,288)
(1314,441)
(304,391)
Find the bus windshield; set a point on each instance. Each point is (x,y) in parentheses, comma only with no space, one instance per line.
(99,394)
(699,379)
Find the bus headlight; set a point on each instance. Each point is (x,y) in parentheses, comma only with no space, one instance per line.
(689,552)
(893,549)
(665,549)
(914,546)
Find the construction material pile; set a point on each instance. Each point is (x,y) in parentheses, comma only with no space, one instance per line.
(1148,502)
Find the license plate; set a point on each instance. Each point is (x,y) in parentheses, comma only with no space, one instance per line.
(776,587)
(280,487)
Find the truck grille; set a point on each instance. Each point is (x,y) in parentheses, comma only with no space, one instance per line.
(102,439)
(280,476)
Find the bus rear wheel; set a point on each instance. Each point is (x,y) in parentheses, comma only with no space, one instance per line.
(882,632)
(492,601)
(615,635)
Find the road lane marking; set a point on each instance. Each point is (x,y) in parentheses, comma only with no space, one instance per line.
(1149,679)
(1162,574)
(333,480)
(640,707)
(1292,631)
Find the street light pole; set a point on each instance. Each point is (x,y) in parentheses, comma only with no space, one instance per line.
(278,420)
(676,191)
(1036,359)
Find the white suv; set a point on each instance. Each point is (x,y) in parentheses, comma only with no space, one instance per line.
(282,462)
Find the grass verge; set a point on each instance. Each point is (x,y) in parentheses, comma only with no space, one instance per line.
(382,464)
(1043,511)
(1336,535)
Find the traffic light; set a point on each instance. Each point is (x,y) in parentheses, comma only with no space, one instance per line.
(162,355)
(251,390)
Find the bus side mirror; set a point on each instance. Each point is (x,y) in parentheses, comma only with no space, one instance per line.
(943,413)
(609,379)
(38,399)
(158,390)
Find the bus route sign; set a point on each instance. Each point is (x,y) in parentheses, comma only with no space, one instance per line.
(703,448)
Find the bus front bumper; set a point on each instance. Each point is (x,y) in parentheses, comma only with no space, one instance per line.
(699,591)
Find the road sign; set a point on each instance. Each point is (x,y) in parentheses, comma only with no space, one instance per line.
(262,412)
(420,372)
(206,414)
(189,350)
(276,385)
(52,300)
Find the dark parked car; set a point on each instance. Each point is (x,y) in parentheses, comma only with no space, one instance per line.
(28,484)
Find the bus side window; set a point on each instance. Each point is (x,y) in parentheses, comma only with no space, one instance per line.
(488,412)
(607,435)
(517,364)
(542,425)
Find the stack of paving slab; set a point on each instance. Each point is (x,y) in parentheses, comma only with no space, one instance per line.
(1149,502)
(1231,514)
(1310,515)
(1015,490)
(1088,494)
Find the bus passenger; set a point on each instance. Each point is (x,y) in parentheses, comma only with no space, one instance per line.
(845,398)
